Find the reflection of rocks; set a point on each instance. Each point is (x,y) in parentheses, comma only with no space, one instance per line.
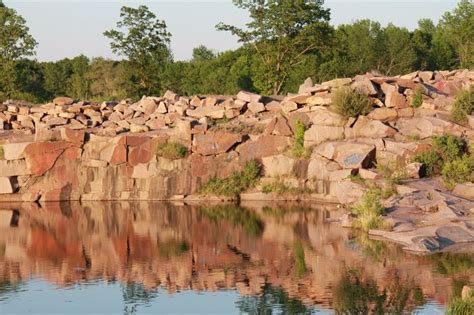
(199,248)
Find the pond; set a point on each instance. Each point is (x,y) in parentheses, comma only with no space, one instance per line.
(255,258)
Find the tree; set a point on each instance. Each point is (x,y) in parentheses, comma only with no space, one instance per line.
(281,32)
(397,55)
(201,53)
(109,80)
(15,43)
(458,27)
(145,42)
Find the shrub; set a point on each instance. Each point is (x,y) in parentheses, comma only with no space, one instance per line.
(298,149)
(431,161)
(2,153)
(237,182)
(393,173)
(172,150)
(463,106)
(368,211)
(457,171)
(350,103)
(417,99)
(277,187)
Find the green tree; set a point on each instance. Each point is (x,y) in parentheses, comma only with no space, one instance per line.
(108,80)
(15,43)
(144,40)
(397,55)
(281,33)
(458,29)
(201,53)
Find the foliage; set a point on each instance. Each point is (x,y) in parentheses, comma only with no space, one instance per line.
(145,42)
(248,220)
(392,172)
(369,211)
(172,150)
(451,264)
(417,99)
(298,150)
(350,103)
(277,187)
(281,33)
(172,248)
(463,106)
(431,161)
(459,306)
(2,152)
(234,184)
(457,171)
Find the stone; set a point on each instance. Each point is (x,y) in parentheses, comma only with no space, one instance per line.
(134,128)
(6,185)
(426,76)
(297,98)
(157,123)
(256,107)
(322,116)
(162,109)
(170,95)
(307,85)
(56,121)
(383,114)
(395,100)
(364,86)
(14,168)
(265,145)
(337,83)
(426,127)
(61,101)
(248,97)
(212,143)
(41,156)
(70,135)
(14,151)
(281,127)
(367,128)
(319,100)
(464,190)
(346,191)
(214,112)
(289,106)
(278,165)
(348,154)
(414,170)
(321,168)
(317,134)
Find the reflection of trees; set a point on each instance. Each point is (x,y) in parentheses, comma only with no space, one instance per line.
(272,300)
(135,294)
(238,216)
(6,288)
(449,264)
(355,295)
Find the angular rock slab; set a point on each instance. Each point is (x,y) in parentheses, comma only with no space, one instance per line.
(213,143)
(348,154)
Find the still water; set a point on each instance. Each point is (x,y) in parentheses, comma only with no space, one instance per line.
(257,258)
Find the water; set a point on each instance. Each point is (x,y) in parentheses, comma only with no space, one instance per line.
(137,258)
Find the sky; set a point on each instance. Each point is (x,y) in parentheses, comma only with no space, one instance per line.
(67,28)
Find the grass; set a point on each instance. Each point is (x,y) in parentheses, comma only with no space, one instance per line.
(356,179)
(461,306)
(234,184)
(463,106)
(172,150)
(2,153)
(393,173)
(350,103)
(369,211)
(457,171)
(278,187)
(298,150)
(417,99)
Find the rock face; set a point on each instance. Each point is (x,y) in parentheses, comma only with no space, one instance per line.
(67,150)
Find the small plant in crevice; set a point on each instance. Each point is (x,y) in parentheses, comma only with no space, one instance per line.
(171,150)
(463,106)
(2,152)
(349,103)
(417,98)
(298,150)
(279,187)
(369,211)
(234,184)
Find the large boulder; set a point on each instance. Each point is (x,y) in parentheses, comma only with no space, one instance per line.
(278,165)
(320,167)
(426,127)
(265,145)
(318,134)
(348,154)
(41,156)
(367,128)
(249,97)
(6,185)
(212,143)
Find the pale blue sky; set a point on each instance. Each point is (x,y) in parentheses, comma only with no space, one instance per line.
(68,28)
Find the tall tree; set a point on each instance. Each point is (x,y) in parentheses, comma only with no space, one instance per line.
(15,43)
(144,40)
(281,32)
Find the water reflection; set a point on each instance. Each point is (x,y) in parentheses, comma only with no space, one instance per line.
(280,258)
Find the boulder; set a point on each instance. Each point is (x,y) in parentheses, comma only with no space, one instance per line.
(14,168)
(14,151)
(383,114)
(317,134)
(41,156)
(395,100)
(367,128)
(248,97)
(61,101)
(212,143)
(364,86)
(464,190)
(319,100)
(321,168)
(265,145)
(256,107)
(414,170)
(337,83)
(348,154)
(6,185)
(278,165)
(322,116)
(426,127)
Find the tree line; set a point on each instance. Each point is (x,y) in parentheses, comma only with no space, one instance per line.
(285,42)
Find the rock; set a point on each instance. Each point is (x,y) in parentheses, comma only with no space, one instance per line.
(337,83)
(320,100)
(464,191)
(426,127)
(319,134)
(14,168)
(6,185)
(467,292)
(367,128)
(41,156)
(383,114)
(348,154)
(321,168)
(347,192)
(263,146)
(256,107)
(425,75)
(61,101)
(248,97)
(278,165)
(322,116)
(170,96)
(134,128)
(56,121)
(307,84)
(415,170)
(13,151)
(395,100)
(368,174)
(214,112)
(297,98)
(213,143)
(281,127)
(74,136)
(289,106)
(364,86)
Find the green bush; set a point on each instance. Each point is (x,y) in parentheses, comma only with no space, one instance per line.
(463,106)
(298,149)
(369,211)
(350,103)
(236,183)
(417,99)
(172,150)
(457,171)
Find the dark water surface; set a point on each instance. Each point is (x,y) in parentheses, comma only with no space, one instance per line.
(257,258)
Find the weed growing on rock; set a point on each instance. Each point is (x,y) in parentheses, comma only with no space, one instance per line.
(298,149)
(2,153)
(350,103)
(393,173)
(463,106)
(280,188)
(172,150)
(236,183)
(417,99)
(369,211)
